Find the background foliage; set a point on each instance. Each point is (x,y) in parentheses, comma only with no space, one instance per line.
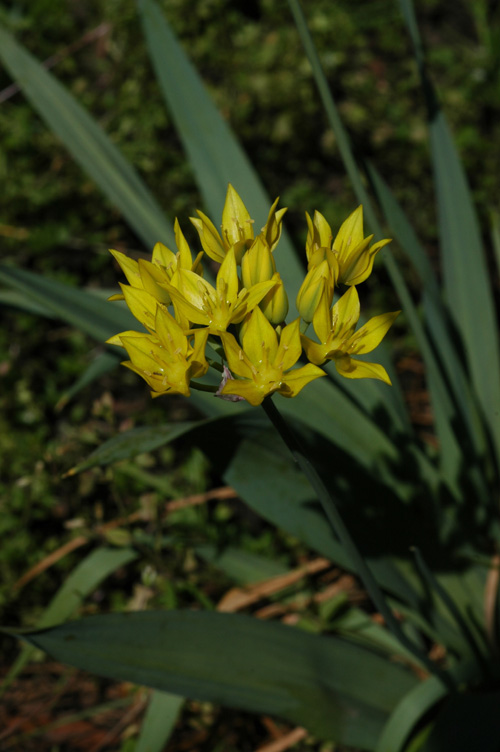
(53,220)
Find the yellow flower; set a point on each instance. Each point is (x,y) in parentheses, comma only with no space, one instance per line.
(350,250)
(168,359)
(258,265)
(264,364)
(339,341)
(317,281)
(237,229)
(153,276)
(216,308)
(274,305)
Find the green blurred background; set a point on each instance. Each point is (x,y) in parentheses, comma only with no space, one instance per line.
(55,221)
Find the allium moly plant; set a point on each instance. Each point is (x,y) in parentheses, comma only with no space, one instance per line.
(242,317)
(418,524)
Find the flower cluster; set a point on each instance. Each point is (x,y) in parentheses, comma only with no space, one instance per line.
(242,317)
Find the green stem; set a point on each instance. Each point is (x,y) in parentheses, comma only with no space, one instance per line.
(203,387)
(341,531)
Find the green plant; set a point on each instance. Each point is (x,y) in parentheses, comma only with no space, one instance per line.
(393,491)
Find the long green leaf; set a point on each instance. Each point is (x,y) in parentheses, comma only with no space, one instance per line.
(214,153)
(98,318)
(450,452)
(467,281)
(15,299)
(335,689)
(159,722)
(413,708)
(437,319)
(242,566)
(87,143)
(82,581)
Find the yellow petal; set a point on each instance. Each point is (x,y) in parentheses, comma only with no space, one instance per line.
(163,256)
(193,288)
(209,237)
(290,347)
(272,229)
(257,264)
(185,258)
(359,265)
(129,267)
(372,333)
(323,231)
(274,305)
(237,225)
(311,290)
(142,305)
(152,278)
(361,369)
(116,338)
(249,299)
(227,278)
(350,234)
(322,320)
(170,334)
(237,361)
(186,313)
(297,379)
(259,340)
(345,313)
(199,365)
(249,390)
(316,353)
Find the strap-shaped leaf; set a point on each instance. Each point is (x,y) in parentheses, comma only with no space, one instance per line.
(437,319)
(467,281)
(214,153)
(335,689)
(159,722)
(450,452)
(82,581)
(87,143)
(414,706)
(98,318)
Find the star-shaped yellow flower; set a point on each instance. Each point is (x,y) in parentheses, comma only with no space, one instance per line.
(153,276)
(168,359)
(350,256)
(265,364)
(216,307)
(237,228)
(338,340)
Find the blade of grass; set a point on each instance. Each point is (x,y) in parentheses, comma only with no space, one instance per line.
(87,143)
(159,722)
(467,282)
